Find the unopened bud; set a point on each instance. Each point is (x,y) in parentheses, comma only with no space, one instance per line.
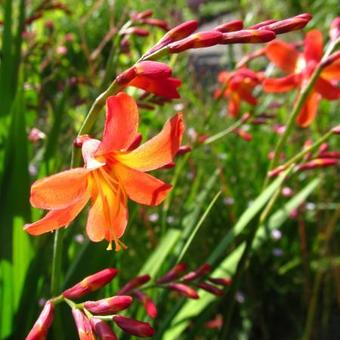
(142,15)
(199,272)
(183,150)
(134,283)
(210,288)
(134,327)
(231,26)
(79,140)
(334,30)
(248,36)
(148,304)
(110,305)
(329,154)
(275,172)
(288,25)
(261,24)
(153,69)
(35,135)
(331,59)
(125,77)
(102,329)
(43,323)
(141,32)
(197,40)
(173,274)
(83,325)
(156,22)
(180,32)
(336,130)
(317,163)
(244,135)
(220,281)
(184,290)
(91,283)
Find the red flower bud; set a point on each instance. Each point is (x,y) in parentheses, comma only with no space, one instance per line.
(210,288)
(141,32)
(110,305)
(231,26)
(288,25)
(134,327)
(323,147)
(102,329)
(275,172)
(148,304)
(153,69)
(134,283)
(334,30)
(83,325)
(261,24)
(199,272)
(78,142)
(220,281)
(156,22)
(248,36)
(183,150)
(317,163)
(197,40)
(142,15)
(43,323)
(173,274)
(329,154)
(184,290)
(180,32)
(125,77)
(336,130)
(91,283)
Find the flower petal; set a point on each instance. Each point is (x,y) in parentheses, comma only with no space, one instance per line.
(141,187)
(283,55)
(56,219)
(107,217)
(327,90)
(332,72)
(313,46)
(309,110)
(60,190)
(161,86)
(159,150)
(234,105)
(282,84)
(121,123)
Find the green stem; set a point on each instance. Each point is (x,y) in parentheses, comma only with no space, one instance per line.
(56,262)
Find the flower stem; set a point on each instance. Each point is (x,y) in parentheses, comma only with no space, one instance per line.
(56,262)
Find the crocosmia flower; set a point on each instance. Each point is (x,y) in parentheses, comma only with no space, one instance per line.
(114,170)
(237,86)
(300,66)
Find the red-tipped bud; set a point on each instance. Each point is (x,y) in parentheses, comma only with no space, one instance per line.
(231,26)
(275,172)
(245,117)
(288,25)
(110,305)
(102,329)
(183,150)
(197,40)
(148,304)
(215,323)
(43,323)
(184,290)
(141,32)
(331,59)
(134,283)
(153,69)
(91,283)
(83,325)
(248,36)
(210,288)
(35,135)
(244,135)
(329,154)
(180,32)
(261,24)
(334,30)
(156,22)
(134,327)
(173,274)
(220,281)
(323,148)
(142,15)
(204,269)
(317,163)
(336,130)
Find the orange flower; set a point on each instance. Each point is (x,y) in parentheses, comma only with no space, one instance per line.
(237,87)
(114,170)
(300,67)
